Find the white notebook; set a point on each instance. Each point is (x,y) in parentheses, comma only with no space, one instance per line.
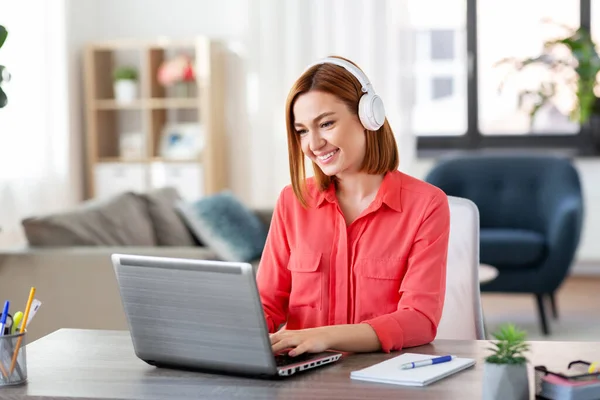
(389,371)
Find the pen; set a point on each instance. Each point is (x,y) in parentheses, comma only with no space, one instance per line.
(3,319)
(2,325)
(423,363)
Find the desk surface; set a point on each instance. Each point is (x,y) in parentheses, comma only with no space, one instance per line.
(70,364)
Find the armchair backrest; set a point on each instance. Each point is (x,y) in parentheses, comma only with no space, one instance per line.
(462,317)
(510,191)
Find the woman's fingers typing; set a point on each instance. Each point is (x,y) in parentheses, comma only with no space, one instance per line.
(285,343)
(300,341)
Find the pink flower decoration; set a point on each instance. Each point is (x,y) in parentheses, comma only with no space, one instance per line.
(178,69)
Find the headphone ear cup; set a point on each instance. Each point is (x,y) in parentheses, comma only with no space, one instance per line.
(371,111)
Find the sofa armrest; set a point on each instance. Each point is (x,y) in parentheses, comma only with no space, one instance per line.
(76,285)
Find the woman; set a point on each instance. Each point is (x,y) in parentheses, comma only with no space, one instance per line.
(355,259)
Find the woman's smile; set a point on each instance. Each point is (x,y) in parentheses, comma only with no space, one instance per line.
(327,157)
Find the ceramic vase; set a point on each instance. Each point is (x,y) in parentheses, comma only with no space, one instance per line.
(505,381)
(125,91)
(184,90)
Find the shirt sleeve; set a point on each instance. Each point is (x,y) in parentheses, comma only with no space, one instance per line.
(423,288)
(273,278)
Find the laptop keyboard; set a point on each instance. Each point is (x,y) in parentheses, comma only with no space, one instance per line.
(283,359)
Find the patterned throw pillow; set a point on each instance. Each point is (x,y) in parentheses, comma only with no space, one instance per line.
(225,225)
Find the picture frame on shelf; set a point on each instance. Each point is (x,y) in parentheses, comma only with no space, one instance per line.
(132,145)
(181,141)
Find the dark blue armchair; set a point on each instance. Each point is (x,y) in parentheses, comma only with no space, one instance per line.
(531,212)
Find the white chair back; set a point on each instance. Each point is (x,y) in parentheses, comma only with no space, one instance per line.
(462,317)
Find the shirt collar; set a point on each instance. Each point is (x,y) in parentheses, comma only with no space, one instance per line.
(388,193)
(327,195)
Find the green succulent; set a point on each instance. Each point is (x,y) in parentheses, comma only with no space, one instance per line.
(125,73)
(4,75)
(509,346)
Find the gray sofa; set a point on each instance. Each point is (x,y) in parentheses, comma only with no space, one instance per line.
(68,259)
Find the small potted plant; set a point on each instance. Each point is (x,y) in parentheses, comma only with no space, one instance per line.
(505,371)
(4,75)
(125,84)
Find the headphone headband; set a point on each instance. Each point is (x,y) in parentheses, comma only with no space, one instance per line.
(362,78)
(370,107)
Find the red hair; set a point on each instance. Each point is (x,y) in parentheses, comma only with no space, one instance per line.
(381,153)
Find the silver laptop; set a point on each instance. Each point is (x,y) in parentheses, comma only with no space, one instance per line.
(201,315)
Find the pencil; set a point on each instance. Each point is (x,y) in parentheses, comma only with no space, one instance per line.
(4,373)
(18,346)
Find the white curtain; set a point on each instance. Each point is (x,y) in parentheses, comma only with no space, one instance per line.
(34,134)
(285,36)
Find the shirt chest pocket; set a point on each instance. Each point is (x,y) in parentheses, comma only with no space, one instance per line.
(378,283)
(381,268)
(307,280)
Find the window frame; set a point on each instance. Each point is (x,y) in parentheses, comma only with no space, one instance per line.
(579,144)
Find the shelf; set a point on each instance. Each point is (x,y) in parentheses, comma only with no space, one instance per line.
(122,160)
(113,105)
(112,127)
(158,43)
(182,161)
(182,103)
(173,103)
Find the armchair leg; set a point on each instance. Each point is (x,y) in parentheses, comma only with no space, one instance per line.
(542,312)
(553,305)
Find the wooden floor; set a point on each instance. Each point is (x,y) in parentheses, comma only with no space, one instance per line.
(578,302)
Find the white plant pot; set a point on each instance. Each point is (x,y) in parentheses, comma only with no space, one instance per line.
(505,381)
(125,91)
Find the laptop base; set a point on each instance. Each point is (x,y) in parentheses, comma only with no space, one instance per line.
(319,360)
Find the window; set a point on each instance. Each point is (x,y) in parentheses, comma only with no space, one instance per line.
(440,67)
(442,87)
(499,113)
(458,103)
(442,44)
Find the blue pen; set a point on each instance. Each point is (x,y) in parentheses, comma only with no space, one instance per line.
(423,363)
(3,318)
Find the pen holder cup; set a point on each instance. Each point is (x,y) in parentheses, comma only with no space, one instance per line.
(13,359)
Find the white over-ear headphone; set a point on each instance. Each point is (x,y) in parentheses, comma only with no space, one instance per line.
(370,107)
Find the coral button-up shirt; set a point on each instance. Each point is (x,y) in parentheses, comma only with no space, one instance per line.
(387,268)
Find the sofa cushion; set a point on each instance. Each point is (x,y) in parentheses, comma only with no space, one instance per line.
(121,220)
(265,215)
(169,227)
(226,226)
(511,247)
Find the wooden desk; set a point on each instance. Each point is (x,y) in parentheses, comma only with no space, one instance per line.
(72,364)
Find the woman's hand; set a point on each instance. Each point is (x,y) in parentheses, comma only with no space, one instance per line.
(353,338)
(313,340)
